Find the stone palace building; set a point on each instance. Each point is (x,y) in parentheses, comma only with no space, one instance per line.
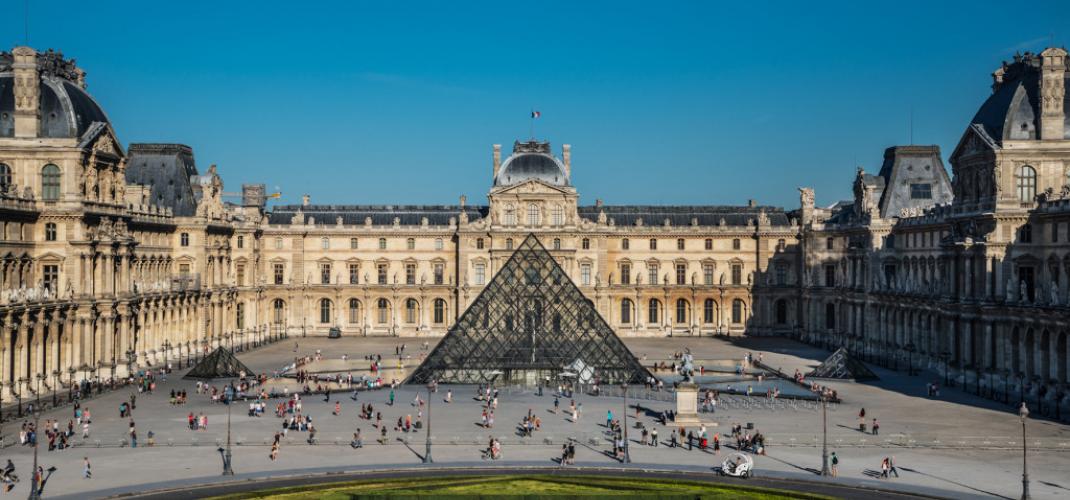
(119,258)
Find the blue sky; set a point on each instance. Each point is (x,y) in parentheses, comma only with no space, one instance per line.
(663,102)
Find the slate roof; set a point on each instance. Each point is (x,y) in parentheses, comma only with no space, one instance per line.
(681,215)
(166,169)
(381,215)
(1012,112)
(67,110)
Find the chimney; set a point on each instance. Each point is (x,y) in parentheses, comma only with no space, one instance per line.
(752,203)
(497,159)
(566,157)
(306,200)
(1052,93)
(27,92)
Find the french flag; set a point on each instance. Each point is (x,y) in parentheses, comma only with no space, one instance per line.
(536,114)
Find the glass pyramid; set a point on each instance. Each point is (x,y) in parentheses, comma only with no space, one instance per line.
(530,323)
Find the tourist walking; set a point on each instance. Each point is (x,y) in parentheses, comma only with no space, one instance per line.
(87,468)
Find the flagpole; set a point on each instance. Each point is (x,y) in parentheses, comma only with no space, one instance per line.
(531,126)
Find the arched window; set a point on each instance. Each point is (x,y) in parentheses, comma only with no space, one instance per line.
(278,311)
(781,312)
(325,310)
(5,176)
(682,308)
(558,215)
(1026,179)
(440,311)
(533,214)
(626,311)
(50,180)
(410,310)
(508,243)
(830,316)
(383,309)
(654,312)
(354,311)
(557,243)
(737,311)
(709,308)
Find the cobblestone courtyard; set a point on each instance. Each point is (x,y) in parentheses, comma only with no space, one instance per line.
(955,446)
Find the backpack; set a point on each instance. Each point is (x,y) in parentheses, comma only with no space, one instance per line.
(835,460)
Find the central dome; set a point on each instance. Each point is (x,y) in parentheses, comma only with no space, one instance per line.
(531,160)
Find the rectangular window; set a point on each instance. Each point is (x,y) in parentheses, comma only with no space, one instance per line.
(325,274)
(680,245)
(183,268)
(51,276)
(652,271)
(585,274)
(184,239)
(325,243)
(278,269)
(707,274)
(781,274)
(830,275)
(585,244)
(736,244)
(381,273)
(354,274)
(709,244)
(278,243)
(241,242)
(438,243)
(240,272)
(625,274)
(439,273)
(921,191)
(653,244)
(410,274)
(382,243)
(781,245)
(830,243)
(481,273)
(681,274)
(624,244)
(737,274)
(1054,232)
(353,243)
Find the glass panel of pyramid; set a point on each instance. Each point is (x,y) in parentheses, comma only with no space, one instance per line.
(530,323)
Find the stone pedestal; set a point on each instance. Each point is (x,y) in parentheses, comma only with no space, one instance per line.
(687,404)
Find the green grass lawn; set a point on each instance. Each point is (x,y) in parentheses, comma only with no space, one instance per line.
(522,486)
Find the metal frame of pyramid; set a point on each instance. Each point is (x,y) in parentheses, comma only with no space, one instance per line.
(530,322)
(221,363)
(842,365)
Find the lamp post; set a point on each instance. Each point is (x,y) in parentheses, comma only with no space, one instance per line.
(55,388)
(427,450)
(627,456)
(37,394)
(824,436)
(1006,385)
(227,470)
(1023,413)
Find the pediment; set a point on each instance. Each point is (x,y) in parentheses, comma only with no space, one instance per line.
(101,139)
(974,141)
(532,186)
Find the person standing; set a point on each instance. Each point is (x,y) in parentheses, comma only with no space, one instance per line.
(87,468)
(876,427)
(654,437)
(835,464)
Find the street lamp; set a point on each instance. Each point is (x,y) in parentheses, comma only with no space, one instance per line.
(427,451)
(229,395)
(37,486)
(55,388)
(1023,413)
(824,435)
(624,389)
(37,394)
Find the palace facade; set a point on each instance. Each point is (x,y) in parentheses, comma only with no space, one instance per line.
(115,259)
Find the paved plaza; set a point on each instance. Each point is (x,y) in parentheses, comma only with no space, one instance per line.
(955,446)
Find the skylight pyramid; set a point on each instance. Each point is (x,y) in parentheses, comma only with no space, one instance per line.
(530,323)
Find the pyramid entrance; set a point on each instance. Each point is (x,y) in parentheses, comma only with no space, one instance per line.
(530,323)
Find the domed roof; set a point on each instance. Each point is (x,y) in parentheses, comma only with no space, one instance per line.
(531,160)
(1012,112)
(66,109)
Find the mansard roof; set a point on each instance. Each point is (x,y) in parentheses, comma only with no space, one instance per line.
(682,215)
(1012,112)
(381,215)
(166,169)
